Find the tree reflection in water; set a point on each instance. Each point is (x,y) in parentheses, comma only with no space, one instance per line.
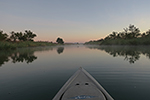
(60,50)
(130,53)
(3,57)
(20,55)
(24,54)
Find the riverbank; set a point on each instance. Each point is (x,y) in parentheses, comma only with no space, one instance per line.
(134,41)
(130,36)
(4,45)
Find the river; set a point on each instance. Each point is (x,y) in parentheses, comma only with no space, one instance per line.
(38,73)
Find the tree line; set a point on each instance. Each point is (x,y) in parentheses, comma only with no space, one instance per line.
(17,36)
(129,36)
(129,33)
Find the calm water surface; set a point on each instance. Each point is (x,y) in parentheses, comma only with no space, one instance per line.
(38,73)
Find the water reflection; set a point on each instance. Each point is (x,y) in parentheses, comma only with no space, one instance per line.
(20,55)
(3,57)
(130,53)
(27,57)
(60,50)
(24,54)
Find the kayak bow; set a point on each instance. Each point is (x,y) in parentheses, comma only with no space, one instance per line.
(82,86)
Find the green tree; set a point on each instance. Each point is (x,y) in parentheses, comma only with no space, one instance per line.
(113,35)
(19,36)
(28,35)
(13,36)
(143,35)
(131,32)
(3,36)
(148,33)
(60,41)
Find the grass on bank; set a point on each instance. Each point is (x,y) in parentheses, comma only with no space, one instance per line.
(4,45)
(93,42)
(134,41)
(129,36)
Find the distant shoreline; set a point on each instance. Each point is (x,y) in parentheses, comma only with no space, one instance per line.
(130,36)
(4,45)
(136,41)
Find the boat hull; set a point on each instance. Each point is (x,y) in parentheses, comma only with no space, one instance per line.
(82,86)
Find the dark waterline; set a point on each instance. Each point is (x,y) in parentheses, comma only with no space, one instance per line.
(38,73)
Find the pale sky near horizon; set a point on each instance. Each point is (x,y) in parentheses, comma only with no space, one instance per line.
(73,20)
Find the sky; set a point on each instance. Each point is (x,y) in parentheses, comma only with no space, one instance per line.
(73,20)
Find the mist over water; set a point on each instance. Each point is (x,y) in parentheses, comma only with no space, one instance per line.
(38,73)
